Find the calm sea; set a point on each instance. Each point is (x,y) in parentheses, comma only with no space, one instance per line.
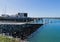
(47,33)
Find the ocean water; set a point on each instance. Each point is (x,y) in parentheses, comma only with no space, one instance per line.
(47,33)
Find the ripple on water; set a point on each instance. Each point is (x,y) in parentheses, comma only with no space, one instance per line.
(47,33)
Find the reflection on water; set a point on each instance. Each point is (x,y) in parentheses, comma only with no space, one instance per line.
(47,33)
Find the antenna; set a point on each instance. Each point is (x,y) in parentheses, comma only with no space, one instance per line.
(5,9)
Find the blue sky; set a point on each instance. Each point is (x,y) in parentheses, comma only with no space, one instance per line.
(34,8)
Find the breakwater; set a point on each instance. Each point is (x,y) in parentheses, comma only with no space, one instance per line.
(19,31)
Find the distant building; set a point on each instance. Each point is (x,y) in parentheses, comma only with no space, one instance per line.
(19,15)
(22,14)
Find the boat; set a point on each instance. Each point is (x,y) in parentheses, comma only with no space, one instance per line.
(18,25)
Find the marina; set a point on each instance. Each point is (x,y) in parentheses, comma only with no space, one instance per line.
(27,29)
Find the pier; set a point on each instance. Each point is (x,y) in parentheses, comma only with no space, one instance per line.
(47,20)
(19,29)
